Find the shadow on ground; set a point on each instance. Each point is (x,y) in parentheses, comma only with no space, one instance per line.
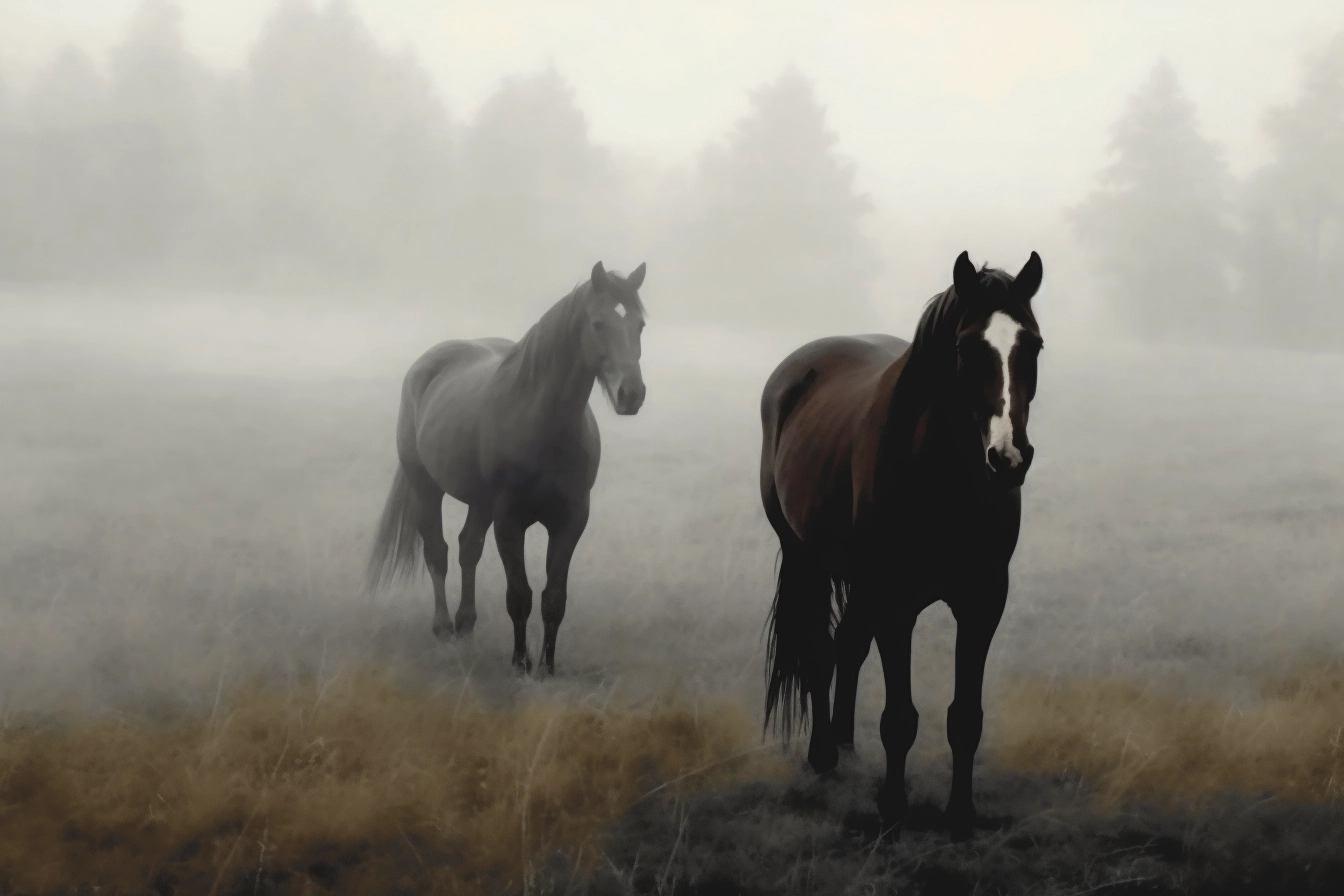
(1037,835)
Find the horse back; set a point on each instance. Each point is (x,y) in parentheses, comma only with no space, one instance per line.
(821,414)
(442,396)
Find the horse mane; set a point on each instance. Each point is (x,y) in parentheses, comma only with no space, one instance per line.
(556,333)
(932,358)
(942,313)
(552,336)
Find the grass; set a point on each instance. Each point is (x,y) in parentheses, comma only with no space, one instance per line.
(356,783)
(180,554)
(1143,742)
(365,781)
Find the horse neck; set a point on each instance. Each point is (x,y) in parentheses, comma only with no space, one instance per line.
(546,369)
(924,393)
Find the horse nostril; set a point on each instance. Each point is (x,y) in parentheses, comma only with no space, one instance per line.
(992,458)
(630,395)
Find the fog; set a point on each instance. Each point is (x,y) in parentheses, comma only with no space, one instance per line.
(484,158)
(226,230)
(223,230)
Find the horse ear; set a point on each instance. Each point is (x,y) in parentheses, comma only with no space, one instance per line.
(600,281)
(636,277)
(964,278)
(1028,279)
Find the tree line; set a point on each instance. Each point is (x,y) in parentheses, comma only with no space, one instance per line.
(1184,251)
(327,163)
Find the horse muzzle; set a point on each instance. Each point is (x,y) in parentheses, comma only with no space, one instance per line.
(1006,471)
(629,397)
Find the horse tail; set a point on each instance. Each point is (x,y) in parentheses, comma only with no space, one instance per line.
(397,541)
(798,631)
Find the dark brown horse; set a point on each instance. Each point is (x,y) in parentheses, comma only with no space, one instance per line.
(891,472)
(506,429)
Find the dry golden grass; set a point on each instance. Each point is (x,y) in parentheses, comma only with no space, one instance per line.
(1131,741)
(356,785)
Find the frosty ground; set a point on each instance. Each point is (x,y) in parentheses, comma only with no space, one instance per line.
(184,519)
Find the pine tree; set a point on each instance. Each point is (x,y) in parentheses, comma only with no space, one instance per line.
(348,151)
(9,220)
(153,143)
(1157,226)
(58,201)
(773,239)
(1293,257)
(68,94)
(539,202)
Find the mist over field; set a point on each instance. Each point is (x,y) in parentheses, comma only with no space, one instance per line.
(227,231)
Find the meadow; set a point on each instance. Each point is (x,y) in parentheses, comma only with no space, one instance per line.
(198,696)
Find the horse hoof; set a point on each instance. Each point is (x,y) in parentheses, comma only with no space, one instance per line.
(892,810)
(464,625)
(443,629)
(960,826)
(823,759)
(522,665)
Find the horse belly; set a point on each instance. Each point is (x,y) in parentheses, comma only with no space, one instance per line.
(448,434)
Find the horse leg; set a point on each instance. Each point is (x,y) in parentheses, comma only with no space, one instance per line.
(428,513)
(470,546)
(822,753)
(510,535)
(563,538)
(900,721)
(976,624)
(853,640)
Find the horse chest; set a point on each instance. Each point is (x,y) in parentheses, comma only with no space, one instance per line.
(544,470)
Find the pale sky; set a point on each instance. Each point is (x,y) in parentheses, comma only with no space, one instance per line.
(1006,103)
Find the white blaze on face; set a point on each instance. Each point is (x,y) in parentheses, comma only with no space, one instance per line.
(1001,334)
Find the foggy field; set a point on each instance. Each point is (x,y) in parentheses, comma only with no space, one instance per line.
(180,527)
(227,229)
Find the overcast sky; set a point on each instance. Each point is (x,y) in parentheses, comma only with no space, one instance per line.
(1004,102)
